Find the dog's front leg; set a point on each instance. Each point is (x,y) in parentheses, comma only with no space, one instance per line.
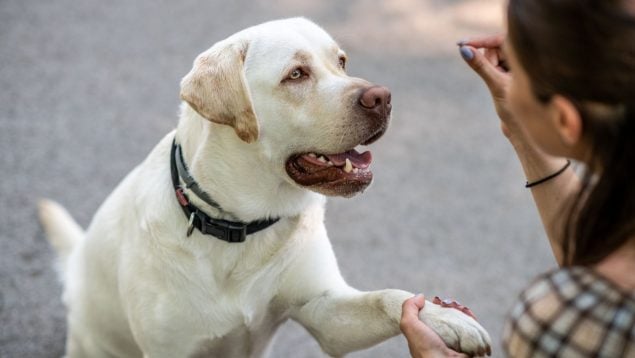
(344,321)
(349,320)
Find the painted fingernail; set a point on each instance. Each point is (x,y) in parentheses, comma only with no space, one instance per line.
(466,53)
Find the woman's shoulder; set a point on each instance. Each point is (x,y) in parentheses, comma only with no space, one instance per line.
(579,285)
(572,312)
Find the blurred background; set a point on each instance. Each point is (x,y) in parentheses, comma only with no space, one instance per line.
(87,88)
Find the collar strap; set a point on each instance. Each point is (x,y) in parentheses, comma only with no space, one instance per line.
(230,231)
(190,183)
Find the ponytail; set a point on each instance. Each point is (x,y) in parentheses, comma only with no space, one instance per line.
(602,218)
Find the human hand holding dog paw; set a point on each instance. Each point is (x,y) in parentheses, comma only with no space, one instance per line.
(442,328)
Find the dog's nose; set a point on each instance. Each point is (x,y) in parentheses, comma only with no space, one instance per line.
(376,98)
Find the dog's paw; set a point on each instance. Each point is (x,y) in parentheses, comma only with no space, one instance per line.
(458,330)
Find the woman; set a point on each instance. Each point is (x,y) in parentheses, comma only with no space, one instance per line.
(563,83)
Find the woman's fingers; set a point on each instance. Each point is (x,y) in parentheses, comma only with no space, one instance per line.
(487,69)
(492,41)
(497,58)
(422,340)
(489,64)
(410,311)
(492,55)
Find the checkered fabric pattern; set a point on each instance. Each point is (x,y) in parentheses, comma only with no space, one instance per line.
(572,312)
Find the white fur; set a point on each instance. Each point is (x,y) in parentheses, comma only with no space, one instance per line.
(136,286)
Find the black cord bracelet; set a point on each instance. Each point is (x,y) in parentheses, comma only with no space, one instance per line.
(540,181)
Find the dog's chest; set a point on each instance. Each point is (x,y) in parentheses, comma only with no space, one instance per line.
(248,339)
(238,322)
(227,294)
(234,302)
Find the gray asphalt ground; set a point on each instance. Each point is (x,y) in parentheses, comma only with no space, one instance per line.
(88,87)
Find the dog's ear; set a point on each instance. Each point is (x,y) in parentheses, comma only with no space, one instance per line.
(216,88)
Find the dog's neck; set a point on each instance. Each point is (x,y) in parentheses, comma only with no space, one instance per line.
(234,175)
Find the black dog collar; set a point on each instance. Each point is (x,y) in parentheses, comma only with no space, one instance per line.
(230,231)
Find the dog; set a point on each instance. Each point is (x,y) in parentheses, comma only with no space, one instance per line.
(218,236)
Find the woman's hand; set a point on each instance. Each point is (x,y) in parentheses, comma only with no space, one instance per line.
(423,342)
(486,57)
(491,65)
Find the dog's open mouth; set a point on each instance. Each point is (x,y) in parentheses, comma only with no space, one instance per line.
(339,174)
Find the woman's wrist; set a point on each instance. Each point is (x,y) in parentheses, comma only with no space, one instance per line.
(535,163)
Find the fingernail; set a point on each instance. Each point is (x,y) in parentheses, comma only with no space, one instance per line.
(466,53)
(461,43)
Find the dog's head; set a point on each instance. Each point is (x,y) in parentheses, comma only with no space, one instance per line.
(283,87)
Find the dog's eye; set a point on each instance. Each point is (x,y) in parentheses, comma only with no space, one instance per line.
(297,74)
(343,62)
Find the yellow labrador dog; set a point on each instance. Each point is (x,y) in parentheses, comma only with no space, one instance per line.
(218,237)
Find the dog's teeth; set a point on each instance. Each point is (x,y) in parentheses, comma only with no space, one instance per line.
(355,170)
(329,163)
(312,155)
(348,167)
(322,159)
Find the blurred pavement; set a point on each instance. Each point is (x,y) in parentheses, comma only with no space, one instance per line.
(87,88)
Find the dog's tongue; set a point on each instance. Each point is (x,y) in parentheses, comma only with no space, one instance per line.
(361,161)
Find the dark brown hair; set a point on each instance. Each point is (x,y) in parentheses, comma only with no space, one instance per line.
(584,50)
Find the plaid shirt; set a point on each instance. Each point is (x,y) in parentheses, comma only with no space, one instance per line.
(572,312)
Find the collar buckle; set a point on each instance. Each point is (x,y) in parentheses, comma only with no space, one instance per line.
(225,230)
(237,234)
